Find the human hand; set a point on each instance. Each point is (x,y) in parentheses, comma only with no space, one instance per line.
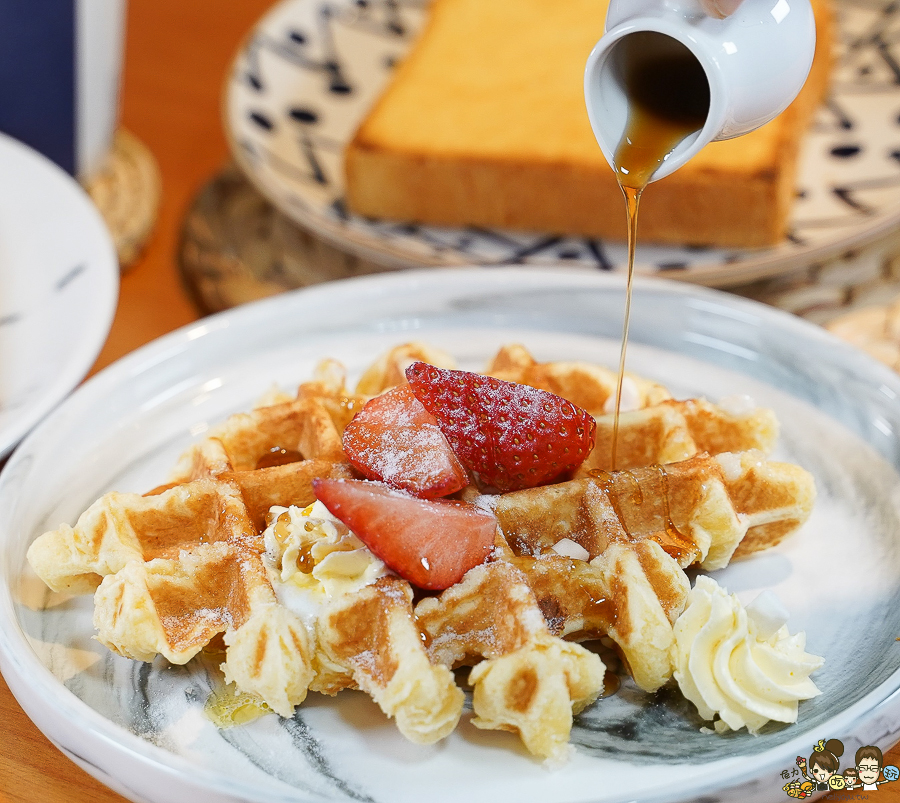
(720,8)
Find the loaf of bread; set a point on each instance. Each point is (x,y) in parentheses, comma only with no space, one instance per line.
(484,124)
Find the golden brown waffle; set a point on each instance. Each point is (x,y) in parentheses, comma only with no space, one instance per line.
(632,593)
(671,431)
(591,387)
(288,484)
(273,453)
(699,510)
(370,639)
(123,527)
(525,679)
(279,433)
(184,565)
(172,571)
(329,388)
(653,427)
(388,370)
(638,529)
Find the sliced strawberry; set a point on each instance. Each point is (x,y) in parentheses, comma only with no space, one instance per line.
(396,440)
(513,436)
(430,542)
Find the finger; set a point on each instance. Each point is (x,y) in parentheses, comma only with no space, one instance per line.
(720,8)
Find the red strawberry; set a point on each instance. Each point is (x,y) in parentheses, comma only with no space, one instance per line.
(430,542)
(514,436)
(396,440)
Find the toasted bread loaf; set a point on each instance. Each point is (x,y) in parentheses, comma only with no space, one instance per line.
(484,124)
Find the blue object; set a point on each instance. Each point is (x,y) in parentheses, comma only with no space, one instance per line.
(37,76)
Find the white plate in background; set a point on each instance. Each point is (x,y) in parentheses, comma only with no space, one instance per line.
(59,283)
(308,73)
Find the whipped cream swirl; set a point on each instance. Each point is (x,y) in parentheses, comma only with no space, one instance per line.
(732,663)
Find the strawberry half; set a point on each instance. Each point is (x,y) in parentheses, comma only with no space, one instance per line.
(513,436)
(396,440)
(430,542)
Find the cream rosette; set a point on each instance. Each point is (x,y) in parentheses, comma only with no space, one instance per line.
(740,664)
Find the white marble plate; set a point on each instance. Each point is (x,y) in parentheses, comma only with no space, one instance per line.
(140,728)
(308,73)
(59,281)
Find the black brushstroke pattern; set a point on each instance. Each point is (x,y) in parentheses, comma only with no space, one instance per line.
(65,280)
(142,722)
(596,249)
(846,151)
(309,746)
(846,195)
(262,120)
(520,255)
(315,166)
(313,173)
(841,118)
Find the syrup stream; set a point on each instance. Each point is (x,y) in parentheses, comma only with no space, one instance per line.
(632,202)
(668,100)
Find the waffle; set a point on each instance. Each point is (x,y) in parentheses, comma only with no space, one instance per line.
(285,432)
(525,679)
(388,370)
(172,571)
(228,547)
(370,640)
(704,510)
(631,593)
(638,530)
(184,565)
(273,453)
(672,431)
(591,387)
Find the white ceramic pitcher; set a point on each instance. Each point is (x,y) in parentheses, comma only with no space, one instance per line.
(755,60)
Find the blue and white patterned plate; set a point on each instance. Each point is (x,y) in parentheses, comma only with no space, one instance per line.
(140,727)
(310,70)
(59,281)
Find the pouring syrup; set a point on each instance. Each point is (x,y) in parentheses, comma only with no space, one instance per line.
(668,95)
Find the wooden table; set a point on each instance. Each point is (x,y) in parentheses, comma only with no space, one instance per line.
(176,58)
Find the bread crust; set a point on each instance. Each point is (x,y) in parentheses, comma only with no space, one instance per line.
(439,148)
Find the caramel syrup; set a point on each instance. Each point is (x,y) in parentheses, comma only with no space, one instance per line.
(674,542)
(679,546)
(278,456)
(668,96)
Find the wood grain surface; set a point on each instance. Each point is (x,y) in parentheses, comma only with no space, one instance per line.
(177,55)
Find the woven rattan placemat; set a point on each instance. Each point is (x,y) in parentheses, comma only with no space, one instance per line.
(236,247)
(127,192)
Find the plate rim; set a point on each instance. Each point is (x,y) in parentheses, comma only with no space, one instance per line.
(27,669)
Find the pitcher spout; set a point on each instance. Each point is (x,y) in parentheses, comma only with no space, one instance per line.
(755,61)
